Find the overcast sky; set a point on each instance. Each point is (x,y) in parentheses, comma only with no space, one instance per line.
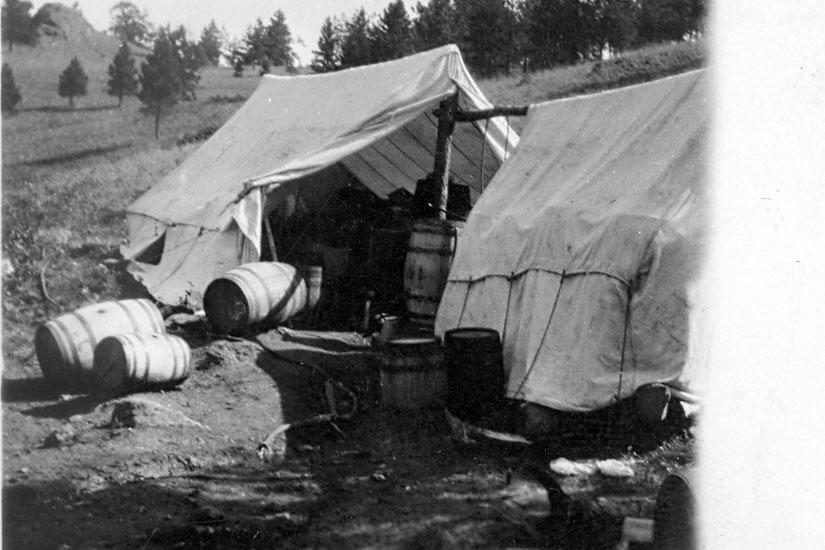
(304,17)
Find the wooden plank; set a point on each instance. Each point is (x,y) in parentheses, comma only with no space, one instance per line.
(386,167)
(365,172)
(394,148)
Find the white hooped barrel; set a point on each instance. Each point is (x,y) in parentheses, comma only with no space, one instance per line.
(65,345)
(412,373)
(131,359)
(429,255)
(254,293)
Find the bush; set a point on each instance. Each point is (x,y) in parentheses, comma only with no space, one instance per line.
(11,94)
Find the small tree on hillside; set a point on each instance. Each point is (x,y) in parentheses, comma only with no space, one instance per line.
(328,55)
(211,42)
(190,61)
(17,23)
(11,95)
(123,76)
(73,81)
(160,78)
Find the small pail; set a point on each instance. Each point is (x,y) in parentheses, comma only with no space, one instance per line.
(389,326)
(412,373)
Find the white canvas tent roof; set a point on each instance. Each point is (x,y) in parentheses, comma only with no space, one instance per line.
(376,121)
(585,251)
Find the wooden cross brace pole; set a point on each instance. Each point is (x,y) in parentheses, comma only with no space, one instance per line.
(448,115)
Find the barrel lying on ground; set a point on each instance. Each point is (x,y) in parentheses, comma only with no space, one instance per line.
(65,345)
(256,292)
(131,360)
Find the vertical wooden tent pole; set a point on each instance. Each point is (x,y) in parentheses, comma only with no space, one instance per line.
(443,151)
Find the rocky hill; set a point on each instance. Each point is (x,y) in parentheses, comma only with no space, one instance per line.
(60,27)
(62,33)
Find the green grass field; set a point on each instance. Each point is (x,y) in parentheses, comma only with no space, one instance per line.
(69,174)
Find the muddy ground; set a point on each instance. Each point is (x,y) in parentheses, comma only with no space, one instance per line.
(180,468)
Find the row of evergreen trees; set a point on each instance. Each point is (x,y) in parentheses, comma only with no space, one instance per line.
(169,74)
(495,35)
(72,83)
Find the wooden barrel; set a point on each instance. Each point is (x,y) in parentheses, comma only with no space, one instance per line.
(674,525)
(65,345)
(134,359)
(412,373)
(475,371)
(429,255)
(256,292)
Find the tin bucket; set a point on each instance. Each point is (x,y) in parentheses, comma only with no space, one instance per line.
(412,373)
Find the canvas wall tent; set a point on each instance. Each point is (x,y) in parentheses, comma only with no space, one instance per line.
(292,140)
(585,251)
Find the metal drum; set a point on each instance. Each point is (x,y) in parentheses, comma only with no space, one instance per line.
(475,370)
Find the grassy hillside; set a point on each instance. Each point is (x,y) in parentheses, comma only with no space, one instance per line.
(633,67)
(68,174)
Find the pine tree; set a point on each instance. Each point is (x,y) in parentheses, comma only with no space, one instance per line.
(328,55)
(190,62)
(10,92)
(435,24)
(356,45)
(253,43)
(617,23)
(123,76)
(392,35)
(276,42)
(486,33)
(662,20)
(160,78)
(73,81)
(211,42)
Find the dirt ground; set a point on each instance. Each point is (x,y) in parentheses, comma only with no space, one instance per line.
(179,468)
